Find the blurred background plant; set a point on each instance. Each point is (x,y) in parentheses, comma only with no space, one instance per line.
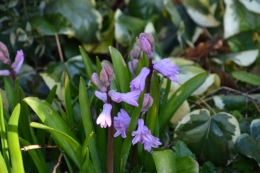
(221,37)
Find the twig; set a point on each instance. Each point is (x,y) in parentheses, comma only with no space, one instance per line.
(32,147)
(59,47)
(58,163)
(201,100)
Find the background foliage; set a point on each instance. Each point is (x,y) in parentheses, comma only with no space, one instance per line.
(214,43)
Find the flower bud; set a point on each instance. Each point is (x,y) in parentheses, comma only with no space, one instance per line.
(4,54)
(104,78)
(147,103)
(146,41)
(110,72)
(18,62)
(132,65)
(136,52)
(95,79)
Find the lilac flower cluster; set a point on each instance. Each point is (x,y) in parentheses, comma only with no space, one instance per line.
(145,44)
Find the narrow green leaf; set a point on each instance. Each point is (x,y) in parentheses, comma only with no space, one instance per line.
(41,165)
(53,120)
(68,101)
(152,114)
(87,62)
(88,125)
(179,97)
(165,161)
(247,77)
(99,66)
(3,167)
(4,138)
(120,70)
(52,94)
(127,142)
(10,94)
(13,141)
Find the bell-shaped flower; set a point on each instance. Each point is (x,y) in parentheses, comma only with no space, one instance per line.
(138,83)
(101,96)
(121,123)
(144,136)
(147,102)
(104,119)
(130,97)
(146,41)
(18,62)
(166,68)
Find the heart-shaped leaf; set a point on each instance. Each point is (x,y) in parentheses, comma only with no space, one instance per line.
(209,137)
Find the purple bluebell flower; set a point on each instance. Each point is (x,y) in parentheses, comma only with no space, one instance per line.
(144,136)
(101,96)
(121,123)
(104,119)
(147,102)
(138,83)
(146,41)
(130,97)
(166,68)
(18,62)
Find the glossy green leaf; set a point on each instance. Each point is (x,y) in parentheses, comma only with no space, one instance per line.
(249,145)
(3,167)
(88,125)
(43,26)
(4,142)
(187,165)
(10,93)
(179,97)
(247,77)
(13,141)
(41,165)
(165,161)
(209,137)
(53,120)
(68,102)
(120,70)
(181,150)
(82,14)
(52,94)
(87,62)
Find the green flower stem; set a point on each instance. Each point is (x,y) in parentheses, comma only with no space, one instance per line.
(148,87)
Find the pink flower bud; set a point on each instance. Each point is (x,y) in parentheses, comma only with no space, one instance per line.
(132,65)
(18,62)
(110,72)
(95,79)
(104,78)
(4,54)
(146,41)
(136,52)
(147,103)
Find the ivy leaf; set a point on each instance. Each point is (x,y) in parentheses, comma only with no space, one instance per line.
(211,138)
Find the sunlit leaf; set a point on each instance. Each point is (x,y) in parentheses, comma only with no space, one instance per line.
(165,161)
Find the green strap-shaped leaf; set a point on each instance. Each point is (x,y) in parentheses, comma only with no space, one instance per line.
(4,138)
(247,77)
(13,141)
(3,167)
(53,120)
(87,62)
(127,142)
(165,161)
(41,165)
(68,101)
(120,70)
(88,125)
(52,94)
(179,97)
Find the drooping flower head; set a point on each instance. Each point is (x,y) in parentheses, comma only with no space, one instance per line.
(104,119)
(166,68)
(144,136)
(138,83)
(130,97)
(146,41)
(147,102)
(121,123)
